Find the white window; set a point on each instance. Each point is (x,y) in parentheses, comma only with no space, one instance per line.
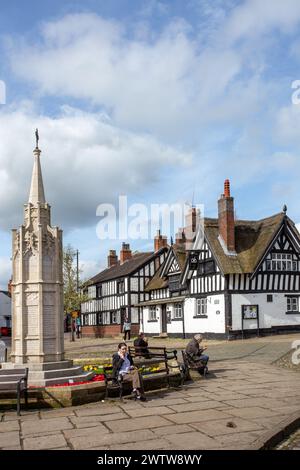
(201,307)
(178,311)
(120,287)
(293,304)
(282,262)
(106,318)
(115,317)
(152,313)
(92,292)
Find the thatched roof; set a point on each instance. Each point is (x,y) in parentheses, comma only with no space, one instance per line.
(252,238)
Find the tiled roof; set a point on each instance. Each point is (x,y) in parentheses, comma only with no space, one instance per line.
(124,269)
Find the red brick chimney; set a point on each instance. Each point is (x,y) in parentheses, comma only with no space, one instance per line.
(125,252)
(112,258)
(226,220)
(159,241)
(180,237)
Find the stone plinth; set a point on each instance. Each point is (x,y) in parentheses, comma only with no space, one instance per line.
(51,373)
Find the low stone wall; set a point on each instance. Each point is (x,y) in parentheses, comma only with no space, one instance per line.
(73,395)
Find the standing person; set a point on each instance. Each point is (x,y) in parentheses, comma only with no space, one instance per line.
(78,327)
(123,366)
(195,356)
(126,328)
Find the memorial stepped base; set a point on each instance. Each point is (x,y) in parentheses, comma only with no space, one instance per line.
(48,373)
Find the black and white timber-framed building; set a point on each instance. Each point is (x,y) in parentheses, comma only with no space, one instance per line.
(115,292)
(240,277)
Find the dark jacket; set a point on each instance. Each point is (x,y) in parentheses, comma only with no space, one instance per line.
(117,362)
(141,347)
(193,351)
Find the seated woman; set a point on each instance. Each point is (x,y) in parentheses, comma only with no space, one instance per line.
(141,346)
(195,356)
(123,366)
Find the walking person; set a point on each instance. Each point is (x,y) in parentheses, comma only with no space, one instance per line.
(126,328)
(123,368)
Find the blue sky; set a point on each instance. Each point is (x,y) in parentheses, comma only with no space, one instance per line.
(158,100)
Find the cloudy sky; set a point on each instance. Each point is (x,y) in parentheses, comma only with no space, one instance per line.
(157,100)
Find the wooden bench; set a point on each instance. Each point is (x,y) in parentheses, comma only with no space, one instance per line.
(149,356)
(189,367)
(14,381)
(154,355)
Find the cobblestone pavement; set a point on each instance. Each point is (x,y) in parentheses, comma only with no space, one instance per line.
(263,350)
(234,406)
(292,443)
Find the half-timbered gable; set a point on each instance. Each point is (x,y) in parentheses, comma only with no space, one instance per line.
(251,285)
(164,311)
(239,277)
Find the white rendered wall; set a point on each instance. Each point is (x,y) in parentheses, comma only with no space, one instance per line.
(270,313)
(215,321)
(152,328)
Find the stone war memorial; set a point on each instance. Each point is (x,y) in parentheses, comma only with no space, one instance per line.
(37,293)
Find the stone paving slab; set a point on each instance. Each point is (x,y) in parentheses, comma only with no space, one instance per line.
(135,424)
(192,440)
(220,427)
(160,410)
(45,425)
(196,406)
(9,426)
(173,429)
(88,421)
(100,428)
(43,443)
(251,412)
(106,440)
(158,444)
(194,416)
(11,438)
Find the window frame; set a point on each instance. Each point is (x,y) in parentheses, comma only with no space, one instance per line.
(200,303)
(178,311)
(152,316)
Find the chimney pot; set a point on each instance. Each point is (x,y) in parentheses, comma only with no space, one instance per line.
(227,188)
(226,219)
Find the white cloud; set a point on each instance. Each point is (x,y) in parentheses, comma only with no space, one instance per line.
(254,18)
(85,161)
(164,84)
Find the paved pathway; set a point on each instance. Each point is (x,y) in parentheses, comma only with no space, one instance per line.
(229,410)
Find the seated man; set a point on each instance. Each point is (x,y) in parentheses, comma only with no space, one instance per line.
(195,356)
(141,346)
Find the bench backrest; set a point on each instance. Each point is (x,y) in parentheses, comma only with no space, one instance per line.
(10,378)
(154,352)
